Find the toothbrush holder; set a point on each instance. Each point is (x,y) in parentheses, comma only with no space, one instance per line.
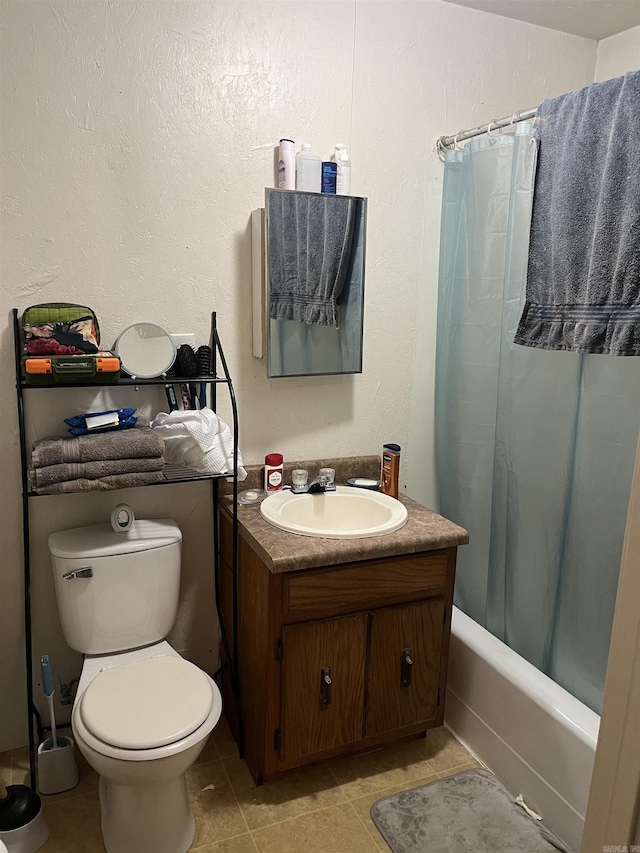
(57,768)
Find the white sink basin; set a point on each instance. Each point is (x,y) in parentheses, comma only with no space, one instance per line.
(347,513)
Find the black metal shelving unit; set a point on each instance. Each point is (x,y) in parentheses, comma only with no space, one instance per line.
(172,474)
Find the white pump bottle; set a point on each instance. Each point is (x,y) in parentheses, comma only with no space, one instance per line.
(343,182)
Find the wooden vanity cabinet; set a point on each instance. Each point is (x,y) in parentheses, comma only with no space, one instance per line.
(336,659)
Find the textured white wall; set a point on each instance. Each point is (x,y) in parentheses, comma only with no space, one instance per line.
(137,138)
(618,54)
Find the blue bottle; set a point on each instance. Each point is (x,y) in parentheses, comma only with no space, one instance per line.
(329,177)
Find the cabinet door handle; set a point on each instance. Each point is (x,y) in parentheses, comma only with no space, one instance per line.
(325,687)
(406,667)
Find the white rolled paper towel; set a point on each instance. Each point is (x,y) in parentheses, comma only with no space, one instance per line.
(199,440)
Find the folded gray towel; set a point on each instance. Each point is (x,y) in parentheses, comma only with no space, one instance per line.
(310,242)
(134,443)
(103,484)
(583,280)
(94,470)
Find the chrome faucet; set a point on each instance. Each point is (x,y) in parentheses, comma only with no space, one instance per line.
(324,482)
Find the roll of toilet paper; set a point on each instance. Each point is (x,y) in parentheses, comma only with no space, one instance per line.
(122,518)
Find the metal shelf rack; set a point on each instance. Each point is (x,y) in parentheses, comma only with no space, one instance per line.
(172,474)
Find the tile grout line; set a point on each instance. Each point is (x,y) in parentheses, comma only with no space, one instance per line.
(296,817)
(12,766)
(253,841)
(235,797)
(455,767)
(313,811)
(333,776)
(219,841)
(8,767)
(435,773)
(455,770)
(437,778)
(233,791)
(299,816)
(344,799)
(364,825)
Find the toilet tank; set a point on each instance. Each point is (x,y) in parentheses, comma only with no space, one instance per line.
(117,590)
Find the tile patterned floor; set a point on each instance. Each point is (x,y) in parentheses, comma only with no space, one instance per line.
(323,808)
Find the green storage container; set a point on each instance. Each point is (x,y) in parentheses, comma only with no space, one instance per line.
(58,326)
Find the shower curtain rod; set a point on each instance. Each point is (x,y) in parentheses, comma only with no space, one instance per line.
(445,143)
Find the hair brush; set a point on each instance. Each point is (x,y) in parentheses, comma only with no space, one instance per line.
(187,362)
(203,357)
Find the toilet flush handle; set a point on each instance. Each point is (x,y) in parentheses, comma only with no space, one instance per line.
(86,572)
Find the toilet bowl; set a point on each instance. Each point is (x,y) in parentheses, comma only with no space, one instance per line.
(141,719)
(142,713)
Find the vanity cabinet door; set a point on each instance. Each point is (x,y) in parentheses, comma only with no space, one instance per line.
(404,666)
(322,685)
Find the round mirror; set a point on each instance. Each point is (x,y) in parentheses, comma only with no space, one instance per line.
(145,350)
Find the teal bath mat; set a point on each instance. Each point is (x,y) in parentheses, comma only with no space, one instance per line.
(469,812)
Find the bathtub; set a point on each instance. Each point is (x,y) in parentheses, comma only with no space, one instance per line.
(537,738)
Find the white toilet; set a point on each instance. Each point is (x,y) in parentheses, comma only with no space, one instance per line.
(142,713)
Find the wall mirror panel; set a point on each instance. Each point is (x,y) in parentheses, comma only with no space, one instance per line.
(313,293)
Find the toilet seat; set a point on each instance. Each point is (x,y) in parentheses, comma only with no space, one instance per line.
(146,704)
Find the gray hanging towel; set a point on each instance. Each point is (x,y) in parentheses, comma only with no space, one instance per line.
(310,240)
(583,278)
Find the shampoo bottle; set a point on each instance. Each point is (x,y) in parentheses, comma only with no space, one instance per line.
(343,182)
(287,165)
(308,170)
(390,469)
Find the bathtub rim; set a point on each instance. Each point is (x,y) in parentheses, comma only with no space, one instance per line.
(544,691)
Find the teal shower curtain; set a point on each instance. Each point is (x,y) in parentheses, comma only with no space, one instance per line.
(534,449)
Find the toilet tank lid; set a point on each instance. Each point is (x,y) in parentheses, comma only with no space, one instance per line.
(101,540)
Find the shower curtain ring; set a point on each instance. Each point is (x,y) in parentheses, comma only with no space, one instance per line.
(493,121)
(514,118)
(456,147)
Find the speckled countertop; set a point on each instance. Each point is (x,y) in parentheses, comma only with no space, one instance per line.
(425,530)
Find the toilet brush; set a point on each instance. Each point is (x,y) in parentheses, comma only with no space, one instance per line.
(57,768)
(48,688)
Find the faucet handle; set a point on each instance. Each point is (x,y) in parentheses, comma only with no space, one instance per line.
(326,476)
(299,477)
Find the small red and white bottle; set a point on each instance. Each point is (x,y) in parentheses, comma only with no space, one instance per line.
(273,472)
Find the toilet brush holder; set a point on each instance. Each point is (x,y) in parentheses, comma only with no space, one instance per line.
(57,768)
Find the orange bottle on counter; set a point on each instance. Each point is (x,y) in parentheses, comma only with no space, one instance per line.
(390,469)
